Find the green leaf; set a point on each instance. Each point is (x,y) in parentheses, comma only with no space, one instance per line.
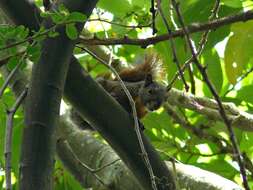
(238,50)
(219,166)
(246,143)
(118,8)
(198,11)
(34,52)
(58,18)
(161,124)
(21,32)
(71,31)
(45,14)
(141,3)
(76,17)
(63,10)
(12,62)
(246,94)
(212,61)
(233,3)
(53,34)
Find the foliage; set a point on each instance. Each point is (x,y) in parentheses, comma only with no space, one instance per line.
(227,56)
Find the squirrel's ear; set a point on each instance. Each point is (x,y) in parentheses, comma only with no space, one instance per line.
(148,80)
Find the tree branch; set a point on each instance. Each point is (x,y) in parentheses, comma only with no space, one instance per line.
(193,28)
(8,137)
(209,108)
(117,175)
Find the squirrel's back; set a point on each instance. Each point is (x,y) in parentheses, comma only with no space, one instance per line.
(146,92)
(150,66)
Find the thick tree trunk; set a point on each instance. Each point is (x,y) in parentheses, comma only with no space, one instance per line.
(43,101)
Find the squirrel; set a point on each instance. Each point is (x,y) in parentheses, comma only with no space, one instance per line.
(148,94)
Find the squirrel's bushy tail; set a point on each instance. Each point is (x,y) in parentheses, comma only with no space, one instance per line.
(150,66)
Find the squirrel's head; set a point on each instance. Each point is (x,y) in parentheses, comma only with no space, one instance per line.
(152,94)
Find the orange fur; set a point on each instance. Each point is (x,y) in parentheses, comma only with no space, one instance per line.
(140,108)
(150,65)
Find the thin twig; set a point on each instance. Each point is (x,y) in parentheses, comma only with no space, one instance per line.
(8,137)
(239,80)
(10,76)
(105,166)
(153,13)
(204,37)
(84,165)
(202,69)
(47,4)
(109,47)
(171,16)
(136,121)
(191,77)
(222,152)
(173,48)
(119,24)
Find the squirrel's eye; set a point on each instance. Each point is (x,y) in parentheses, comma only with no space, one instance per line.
(150,91)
